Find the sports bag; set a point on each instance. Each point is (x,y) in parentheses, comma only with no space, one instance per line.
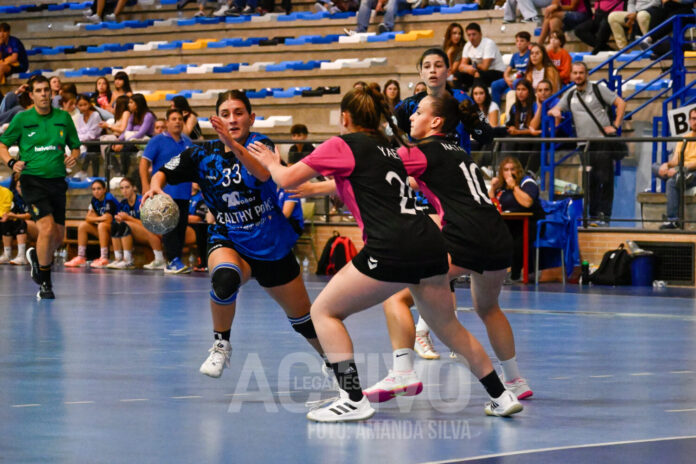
(615,268)
(337,252)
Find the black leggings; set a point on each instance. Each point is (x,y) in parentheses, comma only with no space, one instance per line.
(201,230)
(174,241)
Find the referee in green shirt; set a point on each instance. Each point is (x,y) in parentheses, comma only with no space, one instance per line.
(42,133)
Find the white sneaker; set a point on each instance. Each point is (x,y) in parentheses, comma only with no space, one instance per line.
(5,259)
(342,409)
(453,355)
(519,388)
(424,346)
(110,17)
(157,265)
(94,19)
(218,359)
(221,11)
(20,260)
(114,264)
(394,384)
(505,405)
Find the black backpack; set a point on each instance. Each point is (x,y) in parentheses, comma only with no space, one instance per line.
(615,268)
(337,252)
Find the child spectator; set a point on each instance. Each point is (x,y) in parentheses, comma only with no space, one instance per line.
(121,87)
(540,67)
(516,68)
(100,217)
(121,117)
(160,126)
(563,15)
(191,127)
(17,223)
(87,125)
(299,149)
(392,93)
(102,94)
(559,56)
(141,125)
(55,85)
(13,56)
(454,45)
(128,229)
(520,124)
(488,110)
(67,87)
(68,102)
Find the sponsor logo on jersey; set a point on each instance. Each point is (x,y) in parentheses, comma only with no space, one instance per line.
(45,148)
(371,262)
(173,163)
(250,216)
(235,199)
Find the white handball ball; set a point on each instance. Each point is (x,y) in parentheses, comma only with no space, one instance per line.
(159,214)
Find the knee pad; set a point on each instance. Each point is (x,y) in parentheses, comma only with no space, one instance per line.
(304,326)
(225,282)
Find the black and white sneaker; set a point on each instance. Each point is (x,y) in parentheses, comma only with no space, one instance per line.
(247,11)
(45,293)
(34,263)
(342,409)
(503,406)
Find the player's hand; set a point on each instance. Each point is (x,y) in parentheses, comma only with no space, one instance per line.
(70,161)
(510,182)
(263,154)
(19,166)
(495,183)
(5,217)
(224,133)
(151,193)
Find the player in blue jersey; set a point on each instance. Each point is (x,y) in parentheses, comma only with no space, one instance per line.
(100,215)
(292,210)
(128,229)
(251,237)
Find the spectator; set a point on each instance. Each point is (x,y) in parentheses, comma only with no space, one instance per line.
(601,162)
(299,149)
(481,59)
(639,11)
(160,126)
(121,87)
(128,229)
(199,217)
(67,87)
(292,210)
(559,56)
(454,45)
(68,102)
(392,93)
(15,102)
(543,92)
(237,8)
(563,15)
(488,110)
(540,67)
(55,85)
(100,217)
(516,68)
(419,87)
(158,152)
(365,11)
(201,6)
(529,9)
(191,127)
(520,123)
(5,208)
(102,94)
(17,223)
(595,31)
(141,125)
(13,56)
(100,6)
(269,6)
(517,192)
(669,171)
(87,125)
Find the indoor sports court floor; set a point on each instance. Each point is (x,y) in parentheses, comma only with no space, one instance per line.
(108,372)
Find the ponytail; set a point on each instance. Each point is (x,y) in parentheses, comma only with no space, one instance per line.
(368,108)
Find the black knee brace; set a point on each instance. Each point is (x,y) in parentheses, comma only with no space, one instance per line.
(303,325)
(225,281)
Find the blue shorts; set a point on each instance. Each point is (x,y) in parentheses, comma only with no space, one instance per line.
(573,19)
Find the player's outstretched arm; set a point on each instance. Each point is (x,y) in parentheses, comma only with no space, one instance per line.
(313,189)
(157,183)
(285,177)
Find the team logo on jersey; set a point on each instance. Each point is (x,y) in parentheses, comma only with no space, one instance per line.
(35,210)
(173,163)
(60,134)
(31,134)
(371,262)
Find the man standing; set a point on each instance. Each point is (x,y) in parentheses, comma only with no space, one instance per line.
(13,56)
(159,150)
(42,134)
(589,103)
(481,59)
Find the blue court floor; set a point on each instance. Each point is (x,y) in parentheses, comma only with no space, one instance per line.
(108,373)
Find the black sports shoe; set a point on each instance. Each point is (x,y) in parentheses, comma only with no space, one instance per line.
(34,263)
(45,293)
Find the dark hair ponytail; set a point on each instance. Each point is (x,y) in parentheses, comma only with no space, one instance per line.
(368,108)
(454,112)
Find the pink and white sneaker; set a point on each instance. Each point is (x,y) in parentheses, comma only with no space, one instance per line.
(77,261)
(394,384)
(99,263)
(519,388)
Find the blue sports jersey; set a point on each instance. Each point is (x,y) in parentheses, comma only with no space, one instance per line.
(197,205)
(108,205)
(18,204)
(159,150)
(245,209)
(519,62)
(131,210)
(297,217)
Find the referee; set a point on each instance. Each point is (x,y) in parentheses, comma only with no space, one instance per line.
(42,133)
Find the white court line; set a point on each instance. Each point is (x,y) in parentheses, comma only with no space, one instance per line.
(681,372)
(28,405)
(559,448)
(601,376)
(132,400)
(78,402)
(185,397)
(640,374)
(559,378)
(680,410)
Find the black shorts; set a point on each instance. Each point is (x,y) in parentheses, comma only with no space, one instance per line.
(13,227)
(120,230)
(387,270)
(45,196)
(267,273)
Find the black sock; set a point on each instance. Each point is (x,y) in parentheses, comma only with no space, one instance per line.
(347,375)
(222,335)
(492,384)
(45,275)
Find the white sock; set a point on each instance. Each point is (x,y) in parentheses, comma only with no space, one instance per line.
(105,253)
(128,256)
(422,326)
(158,255)
(21,249)
(81,251)
(8,251)
(118,254)
(510,370)
(403,360)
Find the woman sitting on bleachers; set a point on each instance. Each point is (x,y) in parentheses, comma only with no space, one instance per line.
(520,123)
(453,45)
(87,125)
(128,229)
(102,94)
(191,127)
(100,217)
(541,67)
(392,93)
(141,125)
(121,87)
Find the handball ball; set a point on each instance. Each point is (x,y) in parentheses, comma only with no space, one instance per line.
(159,214)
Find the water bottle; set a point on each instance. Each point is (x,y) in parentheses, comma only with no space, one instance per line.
(305,266)
(63,255)
(585,278)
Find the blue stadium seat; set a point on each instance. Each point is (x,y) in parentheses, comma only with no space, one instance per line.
(263,93)
(237,20)
(225,69)
(114,26)
(343,15)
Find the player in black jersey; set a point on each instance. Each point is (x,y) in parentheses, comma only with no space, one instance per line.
(477,240)
(402,247)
